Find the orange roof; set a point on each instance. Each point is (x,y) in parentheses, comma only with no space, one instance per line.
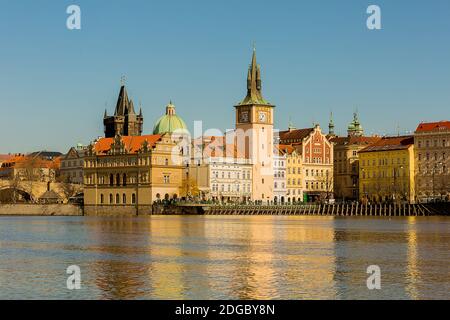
(22,161)
(433,126)
(285,148)
(390,143)
(295,134)
(132,143)
(353,140)
(5,157)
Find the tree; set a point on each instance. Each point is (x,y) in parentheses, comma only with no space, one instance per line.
(190,188)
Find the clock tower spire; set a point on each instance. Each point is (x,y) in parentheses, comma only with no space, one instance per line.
(254,131)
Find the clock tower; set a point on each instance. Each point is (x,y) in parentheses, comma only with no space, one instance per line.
(254,132)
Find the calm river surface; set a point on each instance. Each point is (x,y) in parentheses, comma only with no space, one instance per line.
(224,257)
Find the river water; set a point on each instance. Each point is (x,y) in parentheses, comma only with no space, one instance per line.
(224,257)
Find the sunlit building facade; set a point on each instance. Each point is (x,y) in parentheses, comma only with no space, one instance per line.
(387,170)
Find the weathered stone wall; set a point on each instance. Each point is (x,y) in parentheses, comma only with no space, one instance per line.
(130,210)
(40,210)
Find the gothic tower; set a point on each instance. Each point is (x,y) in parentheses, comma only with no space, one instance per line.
(254,132)
(125,121)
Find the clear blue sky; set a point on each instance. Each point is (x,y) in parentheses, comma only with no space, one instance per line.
(316,56)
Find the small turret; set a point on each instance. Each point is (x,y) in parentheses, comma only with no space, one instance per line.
(331,125)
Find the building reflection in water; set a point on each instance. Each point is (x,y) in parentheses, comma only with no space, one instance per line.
(177,268)
(412,269)
(116,272)
(263,257)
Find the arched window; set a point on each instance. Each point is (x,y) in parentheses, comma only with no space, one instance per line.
(117,198)
(118,179)
(111,179)
(102,200)
(110,198)
(124,183)
(124,198)
(166,162)
(133,198)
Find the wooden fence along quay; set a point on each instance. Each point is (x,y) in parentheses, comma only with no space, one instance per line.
(353,209)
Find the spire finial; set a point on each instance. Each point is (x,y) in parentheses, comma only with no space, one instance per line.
(254,46)
(122,80)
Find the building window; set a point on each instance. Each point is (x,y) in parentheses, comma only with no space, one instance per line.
(124,198)
(111,179)
(102,200)
(117,198)
(133,198)
(111,200)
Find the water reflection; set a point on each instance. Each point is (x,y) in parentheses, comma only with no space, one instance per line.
(198,257)
(412,270)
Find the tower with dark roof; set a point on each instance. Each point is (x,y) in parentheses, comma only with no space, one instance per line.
(125,121)
(254,124)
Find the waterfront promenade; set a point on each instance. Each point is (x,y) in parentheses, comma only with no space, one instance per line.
(348,209)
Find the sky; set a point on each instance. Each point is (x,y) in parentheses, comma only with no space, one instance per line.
(316,57)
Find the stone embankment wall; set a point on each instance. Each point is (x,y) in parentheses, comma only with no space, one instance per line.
(130,210)
(40,210)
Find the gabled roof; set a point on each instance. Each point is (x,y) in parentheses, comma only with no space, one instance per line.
(433,126)
(132,143)
(390,143)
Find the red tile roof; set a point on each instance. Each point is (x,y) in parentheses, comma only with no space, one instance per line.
(5,157)
(132,143)
(295,134)
(390,143)
(433,126)
(354,140)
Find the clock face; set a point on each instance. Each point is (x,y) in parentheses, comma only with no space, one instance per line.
(244,116)
(262,117)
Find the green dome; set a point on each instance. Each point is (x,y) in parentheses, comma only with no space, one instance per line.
(169,122)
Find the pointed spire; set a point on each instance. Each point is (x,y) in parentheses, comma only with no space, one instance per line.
(106,114)
(254,84)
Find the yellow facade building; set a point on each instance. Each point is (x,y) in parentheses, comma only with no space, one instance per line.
(128,174)
(294,177)
(386,170)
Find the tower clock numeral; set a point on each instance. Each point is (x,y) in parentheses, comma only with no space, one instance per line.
(262,117)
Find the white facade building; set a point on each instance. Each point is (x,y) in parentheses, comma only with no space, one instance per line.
(279,171)
(220,173)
